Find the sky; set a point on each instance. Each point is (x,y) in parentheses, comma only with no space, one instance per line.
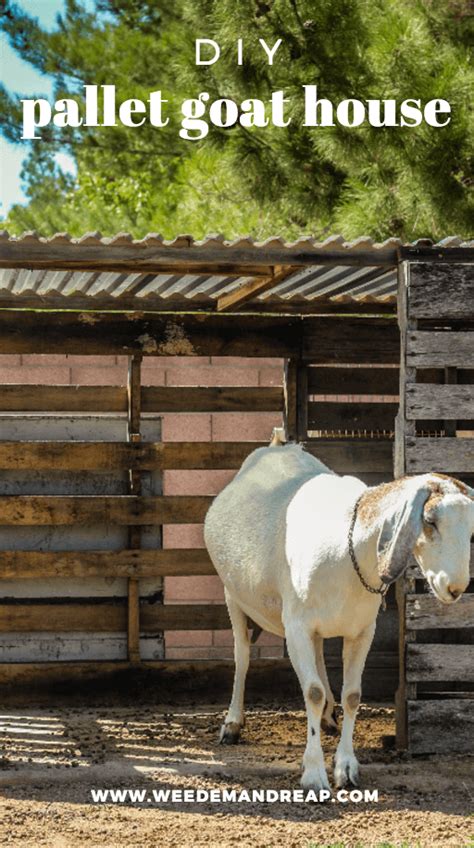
(19,76)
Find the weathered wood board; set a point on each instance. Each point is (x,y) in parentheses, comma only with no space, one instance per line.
(440,349)
(445,663)
(451,455)
(171,562)
(55,510)
(432,401)
(25,398)
(437,291)
(425,611)
(441,727)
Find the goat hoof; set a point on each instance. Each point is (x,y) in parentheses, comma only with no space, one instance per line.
(346,772)
(315,778)
(230,733)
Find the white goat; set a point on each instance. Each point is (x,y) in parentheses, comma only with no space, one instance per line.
(280,537)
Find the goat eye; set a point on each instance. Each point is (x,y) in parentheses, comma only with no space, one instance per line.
(430,521)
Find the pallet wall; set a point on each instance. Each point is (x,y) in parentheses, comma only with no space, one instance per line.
(435,700)
(336,365)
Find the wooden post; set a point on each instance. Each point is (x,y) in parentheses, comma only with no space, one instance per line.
(290,396)
(302,402)
(295,389)
(134,532)
(403,429)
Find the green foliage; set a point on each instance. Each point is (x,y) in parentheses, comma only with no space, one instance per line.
(409,182)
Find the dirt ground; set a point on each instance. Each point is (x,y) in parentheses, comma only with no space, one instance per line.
(50,759)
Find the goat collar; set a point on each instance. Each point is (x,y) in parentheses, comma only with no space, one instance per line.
(381,590)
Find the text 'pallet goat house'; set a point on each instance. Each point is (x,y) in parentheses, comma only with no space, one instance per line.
(83,511)
(435,432)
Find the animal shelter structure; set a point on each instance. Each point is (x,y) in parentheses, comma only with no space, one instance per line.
(81,500)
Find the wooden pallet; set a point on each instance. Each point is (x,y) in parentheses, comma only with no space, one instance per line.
(435,699)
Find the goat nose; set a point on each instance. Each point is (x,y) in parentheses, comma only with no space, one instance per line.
(455,593)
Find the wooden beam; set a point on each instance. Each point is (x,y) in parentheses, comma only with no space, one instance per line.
(343,455)
(123,456)
(40,565)
(25,398)
(247,291)
(154,335)
(109,617)
(34,254)
(175,303)
(49,510)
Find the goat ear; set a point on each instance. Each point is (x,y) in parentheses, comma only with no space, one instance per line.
(398,535)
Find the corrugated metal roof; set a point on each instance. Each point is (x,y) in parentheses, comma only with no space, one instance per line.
(371,278)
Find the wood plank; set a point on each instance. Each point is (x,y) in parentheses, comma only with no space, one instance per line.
(151,335)
(252,288)
(446,290)
(330,340)
(49,510)
(330,415)
(342,455)
(33,565)
(212,259)
(211,399)
(109,618)
(414,571)
(23,398)
(271,305)
(444,663)
(449,455)
(433,401)
(120,456)
(440,349)
(352,456)
(425,611)
(441,727)
(365,381)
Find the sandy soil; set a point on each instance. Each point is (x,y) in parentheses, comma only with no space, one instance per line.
(51,758)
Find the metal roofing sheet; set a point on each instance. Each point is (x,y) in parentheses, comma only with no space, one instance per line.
(328,282)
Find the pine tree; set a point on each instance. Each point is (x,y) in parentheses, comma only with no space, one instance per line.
(409,182)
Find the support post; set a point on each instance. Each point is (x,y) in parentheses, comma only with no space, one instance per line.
(134,532)
(403,429)
(295,390)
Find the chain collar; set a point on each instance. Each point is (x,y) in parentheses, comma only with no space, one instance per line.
(383,589)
